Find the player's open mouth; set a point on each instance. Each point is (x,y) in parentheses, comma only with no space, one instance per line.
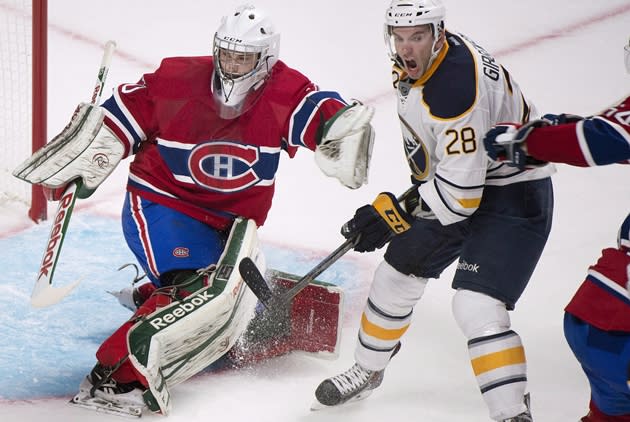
(411,65)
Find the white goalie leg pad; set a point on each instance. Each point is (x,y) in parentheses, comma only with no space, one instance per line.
(85,149)
(496,353)
(346,146)
(179,340)
(387,315)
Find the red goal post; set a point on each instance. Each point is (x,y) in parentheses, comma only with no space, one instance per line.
(23,97)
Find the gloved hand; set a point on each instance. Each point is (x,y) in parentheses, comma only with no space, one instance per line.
(415,206)
(507,142)
(374,225)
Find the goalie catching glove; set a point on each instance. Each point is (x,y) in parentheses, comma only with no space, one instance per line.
(86,149)
(374,225)
(345,148)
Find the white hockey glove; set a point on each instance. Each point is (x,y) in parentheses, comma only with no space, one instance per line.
(345,149)
(84,149)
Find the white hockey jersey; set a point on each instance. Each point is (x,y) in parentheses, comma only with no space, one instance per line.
(444,116)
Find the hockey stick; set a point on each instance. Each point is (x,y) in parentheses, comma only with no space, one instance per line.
(256,282)
(44,294)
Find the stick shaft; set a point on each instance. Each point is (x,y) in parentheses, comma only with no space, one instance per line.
(110,46)
(43,293)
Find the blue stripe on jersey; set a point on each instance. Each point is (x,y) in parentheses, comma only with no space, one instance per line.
(112,106)
(598,134)
(304,115)
(224,165)
(490,174)
(448,182)
(148,188)
(607,288)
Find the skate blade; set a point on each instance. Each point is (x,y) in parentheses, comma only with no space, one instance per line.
(100,405)
(320,406)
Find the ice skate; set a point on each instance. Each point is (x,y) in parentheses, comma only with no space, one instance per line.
(101,393)
(355,384)
(526,416)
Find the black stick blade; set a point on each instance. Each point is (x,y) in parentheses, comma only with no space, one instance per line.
(255,280)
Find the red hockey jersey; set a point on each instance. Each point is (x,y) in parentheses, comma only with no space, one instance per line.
(191,160)
(595,141)
(603,300)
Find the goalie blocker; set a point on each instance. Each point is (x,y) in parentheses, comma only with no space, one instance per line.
(185,335)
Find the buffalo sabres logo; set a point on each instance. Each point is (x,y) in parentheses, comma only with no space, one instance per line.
(224,166)
(415,151)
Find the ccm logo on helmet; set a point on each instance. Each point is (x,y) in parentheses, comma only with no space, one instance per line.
(233,39)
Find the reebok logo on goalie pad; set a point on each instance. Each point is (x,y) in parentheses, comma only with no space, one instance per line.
(181,311)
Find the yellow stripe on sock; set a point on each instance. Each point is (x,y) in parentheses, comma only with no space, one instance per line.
(379,332)
(485,363)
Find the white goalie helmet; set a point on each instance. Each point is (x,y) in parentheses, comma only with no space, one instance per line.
(245,50)
(627,56)
(413,13)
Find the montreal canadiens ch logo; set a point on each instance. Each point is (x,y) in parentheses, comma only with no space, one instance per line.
(224,166)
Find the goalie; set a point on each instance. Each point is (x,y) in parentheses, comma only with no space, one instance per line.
(207,134)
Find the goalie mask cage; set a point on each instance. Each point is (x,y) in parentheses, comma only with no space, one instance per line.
(23,100)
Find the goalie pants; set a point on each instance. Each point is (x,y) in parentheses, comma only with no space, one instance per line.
(163,239)
(605,359)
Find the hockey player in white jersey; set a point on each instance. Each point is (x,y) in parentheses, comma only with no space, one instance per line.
(494,218)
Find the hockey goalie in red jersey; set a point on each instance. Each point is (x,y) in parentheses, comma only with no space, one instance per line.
(597,319)
(206,134)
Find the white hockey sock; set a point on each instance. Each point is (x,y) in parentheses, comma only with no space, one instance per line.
(387,315)
(499,364)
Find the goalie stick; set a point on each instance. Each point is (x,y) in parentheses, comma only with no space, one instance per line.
(44,294)
(257,283)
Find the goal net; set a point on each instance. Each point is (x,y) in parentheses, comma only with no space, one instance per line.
(23,45)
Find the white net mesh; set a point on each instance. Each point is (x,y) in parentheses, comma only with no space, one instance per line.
(15,96)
